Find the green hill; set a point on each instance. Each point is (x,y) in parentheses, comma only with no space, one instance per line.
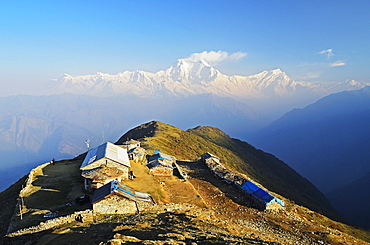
(237,155)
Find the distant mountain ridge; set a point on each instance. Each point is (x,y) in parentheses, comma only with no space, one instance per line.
(186,77)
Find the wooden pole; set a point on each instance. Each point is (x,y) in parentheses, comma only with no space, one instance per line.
(137,207)
(20,211)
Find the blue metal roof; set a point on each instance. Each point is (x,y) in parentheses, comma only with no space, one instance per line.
(115,187)
(160,156)
(260,194)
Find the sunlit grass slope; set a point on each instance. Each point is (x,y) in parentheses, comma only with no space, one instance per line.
(235,154)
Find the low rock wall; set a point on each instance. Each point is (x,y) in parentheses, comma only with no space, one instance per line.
(30,179)
(86,215)
(23,192)
(225,174)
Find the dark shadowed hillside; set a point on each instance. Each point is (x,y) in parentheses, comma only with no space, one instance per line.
(8,202)
(353,200)
(328,142)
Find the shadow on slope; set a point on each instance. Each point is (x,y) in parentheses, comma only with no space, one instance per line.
(353,200)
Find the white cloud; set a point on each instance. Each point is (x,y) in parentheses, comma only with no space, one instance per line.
(215,58)
(338,63)
(329,53)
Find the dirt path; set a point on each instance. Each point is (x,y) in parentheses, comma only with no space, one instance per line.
(182,191)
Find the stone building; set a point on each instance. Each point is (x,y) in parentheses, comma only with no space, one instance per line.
(136,154)
(161,164)
(209,158)
(131,144)
(262,198)
(96,178)
(160,168)
(103,164)
(117,198)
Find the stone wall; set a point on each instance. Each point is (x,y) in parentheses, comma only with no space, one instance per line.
(25,191)
(115,204)
(161,171)
(225,174)
(235,179)
(31,177)
(52,223)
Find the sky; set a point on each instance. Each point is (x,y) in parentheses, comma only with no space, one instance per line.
(316,41)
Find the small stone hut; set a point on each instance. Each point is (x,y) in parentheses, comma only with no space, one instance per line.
(161,164)
(131,144)
(209,158)
(160,168)
(117,198)
(96,178)
(136,154)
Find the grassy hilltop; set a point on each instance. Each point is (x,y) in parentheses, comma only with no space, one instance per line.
(237,155)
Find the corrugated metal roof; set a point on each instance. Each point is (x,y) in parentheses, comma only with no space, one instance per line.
(161,155)
(107,150)
(260,194)
(117,188)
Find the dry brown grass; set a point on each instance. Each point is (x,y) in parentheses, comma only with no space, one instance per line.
(169,189)
(146,183)
(52,187)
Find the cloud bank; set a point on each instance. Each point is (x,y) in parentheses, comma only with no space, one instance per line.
(329,53)
(338,63)
(215,58)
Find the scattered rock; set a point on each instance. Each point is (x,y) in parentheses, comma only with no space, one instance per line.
(126,238)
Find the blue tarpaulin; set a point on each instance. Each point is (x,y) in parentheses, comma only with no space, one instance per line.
(260,194)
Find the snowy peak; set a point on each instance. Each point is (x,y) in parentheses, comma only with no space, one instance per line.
(273,76)
(194,72)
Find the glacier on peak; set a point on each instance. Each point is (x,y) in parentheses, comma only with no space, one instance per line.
(191,72)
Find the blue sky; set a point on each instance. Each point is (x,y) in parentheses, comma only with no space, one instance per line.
(309,40)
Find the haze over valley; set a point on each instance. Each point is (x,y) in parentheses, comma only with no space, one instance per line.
(189,93)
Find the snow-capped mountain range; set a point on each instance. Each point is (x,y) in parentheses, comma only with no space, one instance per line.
(186,77)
